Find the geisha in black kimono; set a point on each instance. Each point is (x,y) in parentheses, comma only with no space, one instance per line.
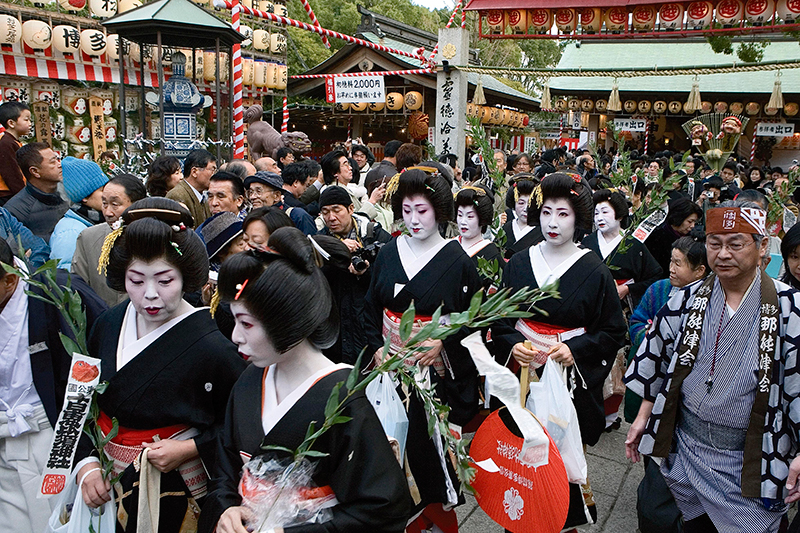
(584,327)
(284,313)
(169,370)
(474,213)
(634,269)
(519,234)
(429,271)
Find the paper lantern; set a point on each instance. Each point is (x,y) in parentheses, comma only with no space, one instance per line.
(10,29)
(616,18)
(260,73)
(601,105)
(264,5)
(112,46)
(280,9)
(670,16)
(47,91)
(103,8)
(517,20)
(660,107)
(730,12)
(496,116)
(413,100)
(283,77)
(644,106)
(358,106)
(540,19)
(629,106)
(248,71)
(644,18)
(93,42)
(394,101)
(247,33)
(37,34)
(508,117)
(485,114)
(341,106)
(720,107)
(759,12)
(209,66)
(127,5)
(790,109)
(706,107)
(247,3)
(566,20)
(591,20)
(675,107)
(277,44)
(375,107)
(495,19)
(736,108)
(788,10)
(470,110)
(587,106)
(272,75)
(699,15)
(261,39)
(72,5)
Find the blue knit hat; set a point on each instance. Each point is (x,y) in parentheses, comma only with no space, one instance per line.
(81,177)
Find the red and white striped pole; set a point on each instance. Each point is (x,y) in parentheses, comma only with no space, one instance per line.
(315,22)
(285,123)
(646,136)
(238,111)
(753,144)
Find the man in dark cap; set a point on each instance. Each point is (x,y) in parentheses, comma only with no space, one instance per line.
(265,189)
(387,167)
(363,238)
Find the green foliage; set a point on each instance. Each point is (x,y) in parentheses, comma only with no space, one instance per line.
(780,198)
(749,52)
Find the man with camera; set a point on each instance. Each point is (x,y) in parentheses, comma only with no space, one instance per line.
(364,239)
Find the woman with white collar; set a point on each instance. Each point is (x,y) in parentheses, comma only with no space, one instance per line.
(520,235)
(474,212)
(584,327)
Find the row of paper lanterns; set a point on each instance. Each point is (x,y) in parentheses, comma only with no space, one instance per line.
(495,116)
(264,74)
(39,35)
(394,101)
(670,16)
(279,8)
(109,8)
(674,107)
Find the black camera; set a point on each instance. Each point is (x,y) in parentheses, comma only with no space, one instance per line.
(365,255)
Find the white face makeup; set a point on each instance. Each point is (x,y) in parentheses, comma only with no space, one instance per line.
(521,208)
(419,217)
(468,222)
(558,221)
(604,219)
(252,339)
(155,290)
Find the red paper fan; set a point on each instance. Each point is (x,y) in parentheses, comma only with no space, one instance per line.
(520,498)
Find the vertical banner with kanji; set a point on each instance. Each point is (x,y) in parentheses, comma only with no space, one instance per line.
(98,126)
(41,123)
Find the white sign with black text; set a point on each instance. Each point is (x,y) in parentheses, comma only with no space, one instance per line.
(767,129)
(359,89)
(630,124)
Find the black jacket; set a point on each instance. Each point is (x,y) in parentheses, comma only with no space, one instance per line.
(38,210)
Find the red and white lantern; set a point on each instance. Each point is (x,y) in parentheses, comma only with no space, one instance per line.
(591,20)
(495,19)
(540,19)
(566,20)
(759,12)
(517,20)
(789,10)
(699,15)
(644,18)
(730,12)
(616,18)
(670,16)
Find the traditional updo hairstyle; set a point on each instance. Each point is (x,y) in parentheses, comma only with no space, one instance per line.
(522,184)
(284,289)
(481,199)
(157,228)
(433,186)
(572,188)
(618,203)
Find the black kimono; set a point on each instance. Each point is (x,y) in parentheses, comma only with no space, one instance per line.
(489,252)
(182,378)
(448,279)
(513,246)
(660,244)
(360,467)
(588,299)
(636,263)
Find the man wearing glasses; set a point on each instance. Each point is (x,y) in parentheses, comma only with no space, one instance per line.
(720,380)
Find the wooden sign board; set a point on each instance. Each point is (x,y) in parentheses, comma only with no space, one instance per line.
(41,121)
(97,126)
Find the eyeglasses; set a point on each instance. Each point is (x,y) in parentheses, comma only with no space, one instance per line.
(732,247)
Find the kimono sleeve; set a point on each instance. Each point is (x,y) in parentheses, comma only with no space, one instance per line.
(366,477)
(790,344)
(373,307)
(504,334)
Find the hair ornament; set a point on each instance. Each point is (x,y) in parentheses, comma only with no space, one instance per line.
(516,194)
(215,299)
(105,251)
(177,247)
(179,227)
(537,194)
(239,289)
(478,190)
(320,255)
(391,187)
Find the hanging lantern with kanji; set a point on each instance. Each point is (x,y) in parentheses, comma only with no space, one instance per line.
(358,106)
(93,42)
(591,20)
(272,75)
(788,10)
(671,16)
(283,77)
(699,15)
(644,18)
(413,100)
(260,73)
(248,71)
(540,19)
(566,20)
(37,34)
(759,12)
(103,8)
(378,106)
(277,43)
(730,12)
(517,20)
(495,19)
(10,29)
(261,39)
(616,18)
(394,101)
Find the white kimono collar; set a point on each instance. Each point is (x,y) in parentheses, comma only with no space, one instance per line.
(520,233)
(541,270)
(411,263)
(607,247)
(475,248)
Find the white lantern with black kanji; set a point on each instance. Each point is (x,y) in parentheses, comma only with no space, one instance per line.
(261,39)
(66,39)
(277,44)
(127,5)
(103,8)
(93,42)
(10,29)
(37,34)
(282,77)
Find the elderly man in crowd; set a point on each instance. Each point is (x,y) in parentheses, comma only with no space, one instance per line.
(718,372)
(265,189)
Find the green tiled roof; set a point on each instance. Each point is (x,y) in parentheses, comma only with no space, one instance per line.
(674,53)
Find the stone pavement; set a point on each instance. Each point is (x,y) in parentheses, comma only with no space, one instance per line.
(613,478)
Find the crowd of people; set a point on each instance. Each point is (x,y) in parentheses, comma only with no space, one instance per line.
(226,301)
